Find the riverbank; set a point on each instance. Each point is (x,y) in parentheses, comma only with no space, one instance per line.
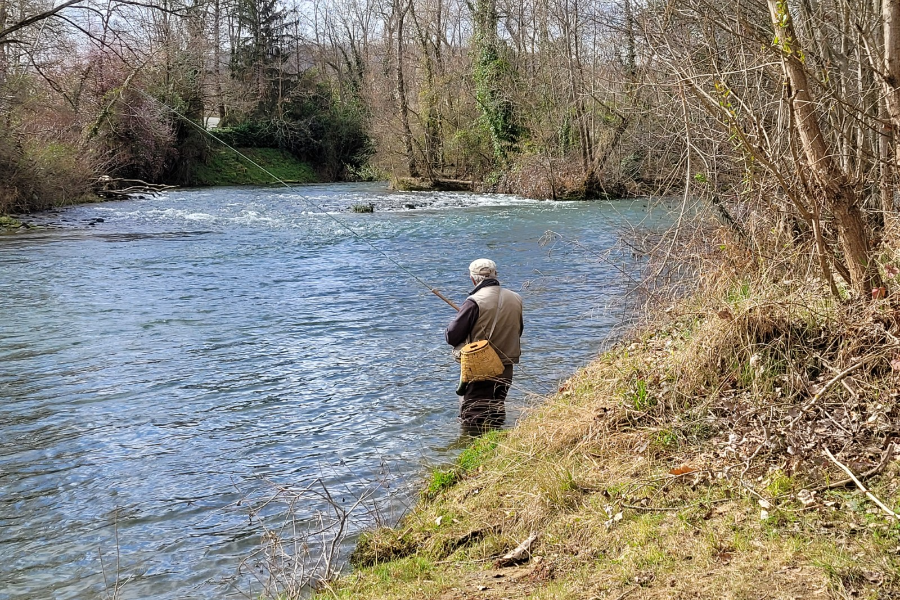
(702,458)
(223,166)
(43,187)
(530,180)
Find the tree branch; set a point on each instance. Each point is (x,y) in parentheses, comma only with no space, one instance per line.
(35,19)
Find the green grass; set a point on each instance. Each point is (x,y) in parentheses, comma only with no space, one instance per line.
(739,294)
(440,480)
(225,167)
(779,484)
(665,439)
(468,461)
(639,397)
(474,456)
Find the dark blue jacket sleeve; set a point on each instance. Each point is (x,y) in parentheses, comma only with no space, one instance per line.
(462,325)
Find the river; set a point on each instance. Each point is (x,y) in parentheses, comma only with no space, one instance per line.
(167,364)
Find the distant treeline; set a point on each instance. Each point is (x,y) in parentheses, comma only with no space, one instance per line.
(785,112)
(545,99)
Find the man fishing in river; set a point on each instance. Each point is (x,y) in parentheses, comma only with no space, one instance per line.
(489,313)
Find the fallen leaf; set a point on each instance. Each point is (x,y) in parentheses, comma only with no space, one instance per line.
(613,519)
(806,497)
(682,470)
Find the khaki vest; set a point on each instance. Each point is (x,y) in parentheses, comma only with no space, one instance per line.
(505,338)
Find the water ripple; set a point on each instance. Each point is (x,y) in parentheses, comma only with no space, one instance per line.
(162,370)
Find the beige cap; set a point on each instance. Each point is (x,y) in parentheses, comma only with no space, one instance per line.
(483,267)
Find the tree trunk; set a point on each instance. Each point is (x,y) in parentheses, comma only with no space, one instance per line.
(891,84)
(838,192)
(402,105)
(217,59)
(428,110)
(4,15)
(891,18)
(630,47)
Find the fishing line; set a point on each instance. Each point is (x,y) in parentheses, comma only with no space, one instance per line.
(303,198)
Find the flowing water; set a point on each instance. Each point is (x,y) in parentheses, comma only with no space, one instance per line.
(166,363)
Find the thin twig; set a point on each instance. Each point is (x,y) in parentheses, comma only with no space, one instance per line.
(869,494)
(885,459)
(118,555)
(103,570)
(750,489)
(837,378)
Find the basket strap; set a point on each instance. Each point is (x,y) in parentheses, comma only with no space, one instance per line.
(496,314)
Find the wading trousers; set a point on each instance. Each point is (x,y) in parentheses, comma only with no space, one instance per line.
(482,408)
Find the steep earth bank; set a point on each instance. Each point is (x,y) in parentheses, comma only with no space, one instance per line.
(709,456)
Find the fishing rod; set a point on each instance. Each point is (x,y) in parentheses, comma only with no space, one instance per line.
(319,208)
(303,198)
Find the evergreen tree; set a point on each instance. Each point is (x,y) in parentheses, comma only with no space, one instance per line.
(257,58)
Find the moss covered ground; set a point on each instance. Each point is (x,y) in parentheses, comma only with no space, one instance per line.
(9,223)
(690,461)
(225,167)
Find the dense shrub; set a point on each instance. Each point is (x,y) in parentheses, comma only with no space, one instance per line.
(39,175)
(314,127)
(541,176)
(131,134)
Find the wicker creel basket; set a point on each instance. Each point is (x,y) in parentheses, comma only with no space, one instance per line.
(479,361)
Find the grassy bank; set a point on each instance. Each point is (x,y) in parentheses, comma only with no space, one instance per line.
(688,462)
(225,167)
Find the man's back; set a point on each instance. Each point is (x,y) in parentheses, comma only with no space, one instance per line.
(504,306)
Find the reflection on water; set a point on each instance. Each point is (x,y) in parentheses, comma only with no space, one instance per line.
(163,370)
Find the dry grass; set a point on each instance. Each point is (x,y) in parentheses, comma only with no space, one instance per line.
(688,462)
